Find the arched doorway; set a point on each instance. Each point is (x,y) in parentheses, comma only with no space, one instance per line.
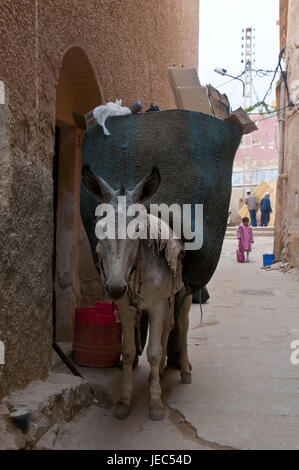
(78,91)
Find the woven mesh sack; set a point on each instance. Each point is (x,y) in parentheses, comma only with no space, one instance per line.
(194,153)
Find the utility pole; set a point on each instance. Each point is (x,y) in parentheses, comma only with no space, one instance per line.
(247,60)
(247,45)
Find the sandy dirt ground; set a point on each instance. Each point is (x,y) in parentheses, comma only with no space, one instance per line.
(245,390)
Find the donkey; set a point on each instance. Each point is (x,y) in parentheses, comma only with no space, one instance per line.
(139,278)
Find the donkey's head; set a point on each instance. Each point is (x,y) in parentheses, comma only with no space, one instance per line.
(118,250)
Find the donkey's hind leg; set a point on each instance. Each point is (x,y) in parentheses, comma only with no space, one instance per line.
(182,318)
(186,377)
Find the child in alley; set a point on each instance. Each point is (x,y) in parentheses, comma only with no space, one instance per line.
(245,237)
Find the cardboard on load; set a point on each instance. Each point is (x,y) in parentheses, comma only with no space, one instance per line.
(219,102)
(90,119)
(182,77)
(242,120)
(194,99)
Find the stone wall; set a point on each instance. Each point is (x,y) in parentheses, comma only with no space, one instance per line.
(128,44)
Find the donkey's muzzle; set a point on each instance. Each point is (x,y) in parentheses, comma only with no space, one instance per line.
(116,290)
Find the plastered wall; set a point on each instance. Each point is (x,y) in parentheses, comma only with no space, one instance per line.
(128,45)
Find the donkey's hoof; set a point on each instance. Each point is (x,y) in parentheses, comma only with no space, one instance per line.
(121,411)
(186,378)
(156,413)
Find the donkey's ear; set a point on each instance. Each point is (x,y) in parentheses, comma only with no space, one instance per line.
(96,186)
(147,187)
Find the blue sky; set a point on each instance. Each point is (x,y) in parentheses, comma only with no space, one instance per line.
(220,32)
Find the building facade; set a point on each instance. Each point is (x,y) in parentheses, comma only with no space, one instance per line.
(61,56)
(287,203)
(256,161)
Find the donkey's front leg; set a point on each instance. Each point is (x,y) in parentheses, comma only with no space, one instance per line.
(154,353)
(127,315)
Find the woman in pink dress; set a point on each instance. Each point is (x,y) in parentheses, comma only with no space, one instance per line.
(245,237)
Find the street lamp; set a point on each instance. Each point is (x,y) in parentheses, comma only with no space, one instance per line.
(223,72)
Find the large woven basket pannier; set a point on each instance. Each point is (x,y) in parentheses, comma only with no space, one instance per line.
(194,153)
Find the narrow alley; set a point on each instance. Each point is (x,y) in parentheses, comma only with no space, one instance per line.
(245,389)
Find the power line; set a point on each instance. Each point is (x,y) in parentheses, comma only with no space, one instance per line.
(232,79)
(270,86)
(262,72)
(259,72)
(275,72)
(283,74)
(225,83)
(257,98)
(234,89)
(272,112)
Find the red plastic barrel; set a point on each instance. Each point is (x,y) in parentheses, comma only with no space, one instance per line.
(97,337)
(104,308)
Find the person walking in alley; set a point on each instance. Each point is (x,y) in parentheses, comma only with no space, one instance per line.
(245,237)
(251,203)
(266,209)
